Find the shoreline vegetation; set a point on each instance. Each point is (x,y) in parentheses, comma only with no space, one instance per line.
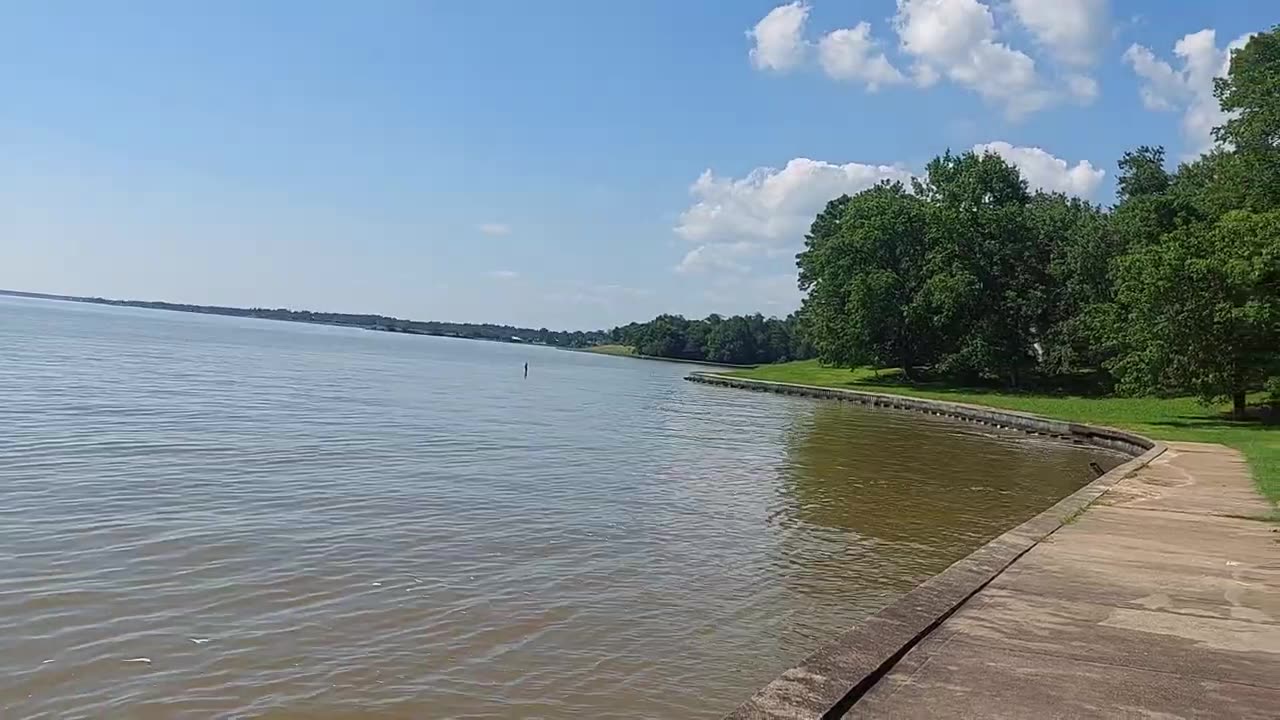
(1158,314)
(630,352)
(380,323)
(1166,419)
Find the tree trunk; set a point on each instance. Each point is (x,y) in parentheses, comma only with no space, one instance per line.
(1238,404)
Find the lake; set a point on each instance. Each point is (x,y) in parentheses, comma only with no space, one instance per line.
(206,516)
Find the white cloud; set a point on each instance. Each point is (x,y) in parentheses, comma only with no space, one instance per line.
(766,213)
(779,38)
(923,75)
(1188,89)
(1044,171)
(772,205)
(852,54)
(1082,88)
(1071,30)
(957,39)
(504,274)
(723,256)
(494,229)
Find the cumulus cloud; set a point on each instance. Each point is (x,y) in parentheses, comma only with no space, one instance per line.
(1082,88)
(773,205)
(494,229)
(1043,171)
(852,54)
(1188,89)
(779,38)
(736,222)
(957,39)
(954,39)
(1072,31)
(724,256)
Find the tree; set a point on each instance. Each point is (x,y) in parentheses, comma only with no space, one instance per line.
(864,267)
(987,272)
(1081,247)
(1201,310)
(1250,96)
(732,342)
(663,337)
(1142,173)
(738,340)
(824,305)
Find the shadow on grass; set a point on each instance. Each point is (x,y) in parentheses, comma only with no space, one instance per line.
(1261,418)
(1087,385)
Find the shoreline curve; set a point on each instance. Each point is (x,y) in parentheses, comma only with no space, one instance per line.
(827,682)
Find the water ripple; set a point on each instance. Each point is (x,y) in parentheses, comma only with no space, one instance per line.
(218,517)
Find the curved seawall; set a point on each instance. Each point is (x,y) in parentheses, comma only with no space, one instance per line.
(830,680)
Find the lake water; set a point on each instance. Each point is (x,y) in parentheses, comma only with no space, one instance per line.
(206,516)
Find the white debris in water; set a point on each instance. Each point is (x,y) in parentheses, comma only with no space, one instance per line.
(140,660)
(376,584)
(199,641)
(46,662)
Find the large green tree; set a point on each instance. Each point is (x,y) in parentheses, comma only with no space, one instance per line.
(987,268)
(1201,310)
(864,268)
(1250,95)
(1081,246)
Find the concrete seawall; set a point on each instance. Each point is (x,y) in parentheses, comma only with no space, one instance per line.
(828,682)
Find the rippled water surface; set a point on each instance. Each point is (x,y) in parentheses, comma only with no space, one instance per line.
(216,517)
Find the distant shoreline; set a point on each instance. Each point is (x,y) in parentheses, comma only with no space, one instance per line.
(613,350)
(381,323)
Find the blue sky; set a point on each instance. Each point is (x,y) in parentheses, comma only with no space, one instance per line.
(560,164)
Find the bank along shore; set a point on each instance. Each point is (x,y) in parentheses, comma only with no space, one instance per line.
(629,352)
(1153,591)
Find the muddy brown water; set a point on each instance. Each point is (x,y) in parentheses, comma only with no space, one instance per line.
(217,517)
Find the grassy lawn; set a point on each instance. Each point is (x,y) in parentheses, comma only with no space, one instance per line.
(628,351)
(612,350)
(1160,418)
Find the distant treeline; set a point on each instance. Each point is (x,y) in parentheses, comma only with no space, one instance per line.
(736,340)
(501,333)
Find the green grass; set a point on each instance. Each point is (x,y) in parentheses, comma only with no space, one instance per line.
(626,350)
(1178,419)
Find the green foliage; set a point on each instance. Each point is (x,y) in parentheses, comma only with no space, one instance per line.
(1202,310)
(970,273)
(1248,174)
(737,340)
(1142,173)
(1175,290)
(982,246)
(863,266)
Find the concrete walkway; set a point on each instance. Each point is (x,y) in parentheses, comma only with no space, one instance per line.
(1160,601)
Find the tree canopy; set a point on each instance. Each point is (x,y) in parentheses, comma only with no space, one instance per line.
(735,340)
(968,273)
(1174,289)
